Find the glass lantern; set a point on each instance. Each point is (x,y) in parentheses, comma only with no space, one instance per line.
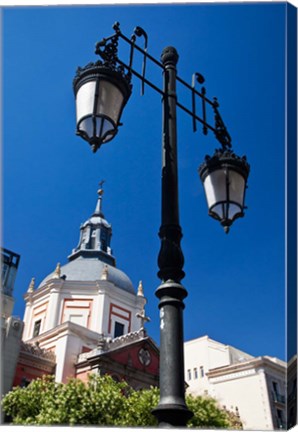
(224,177)
(101,94)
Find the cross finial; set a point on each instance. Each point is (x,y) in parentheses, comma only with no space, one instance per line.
(143,317)
(100,190)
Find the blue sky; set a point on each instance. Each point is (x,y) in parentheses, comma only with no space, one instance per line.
(236,282)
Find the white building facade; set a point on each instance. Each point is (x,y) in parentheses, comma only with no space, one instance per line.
(253,388)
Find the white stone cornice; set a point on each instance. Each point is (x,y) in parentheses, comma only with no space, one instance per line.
(252,366)
(44,290)
(231,376)
(65,329)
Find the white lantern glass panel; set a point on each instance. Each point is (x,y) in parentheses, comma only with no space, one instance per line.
(215,187)
(236,187)
(104,128)
(233,211)
(110,101)
(219,210)
(85,100)
(87,126)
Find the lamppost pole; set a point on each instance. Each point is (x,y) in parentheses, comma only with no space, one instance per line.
(102,90)
(172,409)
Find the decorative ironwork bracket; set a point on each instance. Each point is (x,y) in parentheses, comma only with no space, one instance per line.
(107,49)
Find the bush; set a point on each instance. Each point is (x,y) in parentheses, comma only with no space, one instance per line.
(100,401)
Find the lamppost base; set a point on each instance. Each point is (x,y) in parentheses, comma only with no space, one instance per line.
(172,415)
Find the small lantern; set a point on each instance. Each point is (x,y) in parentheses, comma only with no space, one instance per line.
(224,176)
(101,93)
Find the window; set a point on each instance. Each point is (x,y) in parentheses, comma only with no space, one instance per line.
(103,239)
(275,387)
(119,329)
(280,420)
(202,372)
(36,329)
(195,372)
(189,374)
(93,240)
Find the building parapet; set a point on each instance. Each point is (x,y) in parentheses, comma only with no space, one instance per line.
(37,351)
(107,344)
(127,338)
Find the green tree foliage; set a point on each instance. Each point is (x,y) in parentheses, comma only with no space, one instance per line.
(101,401)
(139,406)
(206,413)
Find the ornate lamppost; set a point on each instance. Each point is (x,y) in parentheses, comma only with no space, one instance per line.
(102,90)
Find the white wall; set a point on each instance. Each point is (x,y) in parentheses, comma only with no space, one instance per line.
(247,391)
(203,353)
(245,383)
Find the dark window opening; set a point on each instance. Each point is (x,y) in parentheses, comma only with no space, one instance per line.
(275,387)
(24,382)
(280,419)
(36,329)
(103,239)
(119,329)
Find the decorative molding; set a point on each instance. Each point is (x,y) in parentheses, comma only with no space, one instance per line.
(112,344)
(140,292)
(105,273)
(231,376)
(57,272)
(31,286)
(38,352)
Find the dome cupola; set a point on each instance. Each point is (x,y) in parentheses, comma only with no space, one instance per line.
(95,236)
(92,259)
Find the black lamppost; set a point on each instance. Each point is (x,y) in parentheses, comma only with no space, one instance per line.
(102,89)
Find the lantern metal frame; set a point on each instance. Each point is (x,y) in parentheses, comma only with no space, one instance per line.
(172,409)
